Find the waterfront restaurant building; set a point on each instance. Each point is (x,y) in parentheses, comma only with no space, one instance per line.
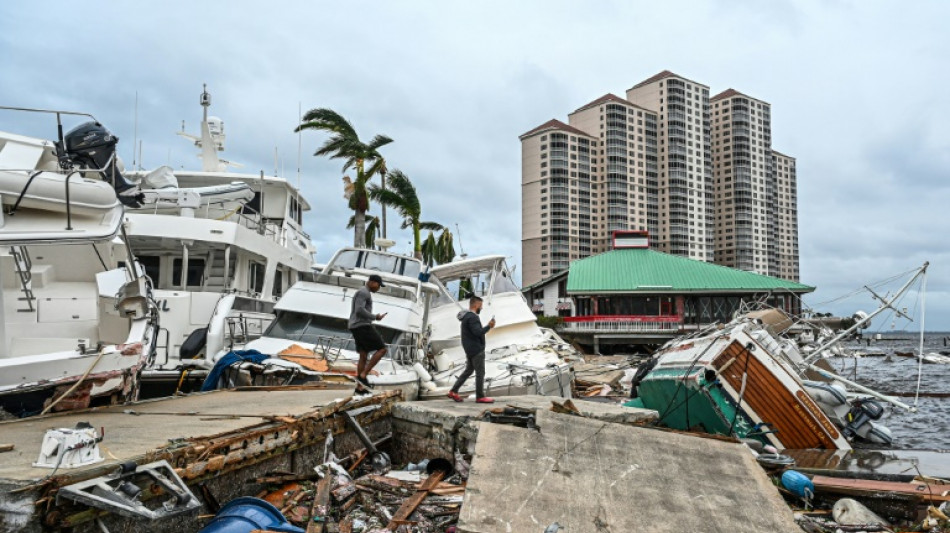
(634,295)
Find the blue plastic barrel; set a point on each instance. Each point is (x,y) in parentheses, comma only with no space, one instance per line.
(798,484)
(243,515)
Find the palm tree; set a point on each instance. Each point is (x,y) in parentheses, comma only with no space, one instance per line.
(361,156)
(401,196)
(372,228)
(439,250)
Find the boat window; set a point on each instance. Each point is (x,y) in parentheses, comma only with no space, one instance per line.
(311,329)
(347,259)
(278,283)
(196,270)
(382,263)
(256,277)
(254,206)
(152,266)
(411,268)
(504,283)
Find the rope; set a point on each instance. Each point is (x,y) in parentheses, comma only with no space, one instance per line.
(229,214)
(75,385)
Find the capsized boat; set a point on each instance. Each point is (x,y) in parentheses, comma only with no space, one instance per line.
(737,381)
(78,322)
(520,356)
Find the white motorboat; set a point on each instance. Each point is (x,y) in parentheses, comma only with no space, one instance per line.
(309,341)
(220,247)
(78,323)
(520,356)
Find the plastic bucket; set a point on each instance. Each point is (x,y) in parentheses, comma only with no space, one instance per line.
(243,515)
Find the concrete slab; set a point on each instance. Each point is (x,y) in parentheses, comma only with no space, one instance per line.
(129,435)
(448,412)
(599,477)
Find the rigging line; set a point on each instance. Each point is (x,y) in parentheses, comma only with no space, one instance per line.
(99,255)
(920,355)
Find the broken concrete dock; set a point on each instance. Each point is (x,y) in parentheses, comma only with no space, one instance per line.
(590,467)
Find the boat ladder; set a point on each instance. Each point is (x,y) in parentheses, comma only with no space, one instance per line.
(24,266)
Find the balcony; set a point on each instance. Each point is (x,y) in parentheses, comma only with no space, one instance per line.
(622,324)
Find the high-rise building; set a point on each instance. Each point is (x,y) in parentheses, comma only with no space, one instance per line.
(686,224)
(783,168)
(746,201)
(697,173)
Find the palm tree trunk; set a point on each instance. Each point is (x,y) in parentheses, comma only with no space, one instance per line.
(416,235)
(359,229)
(382,178)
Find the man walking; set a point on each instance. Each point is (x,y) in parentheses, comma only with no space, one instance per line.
(473,342)
(364,333)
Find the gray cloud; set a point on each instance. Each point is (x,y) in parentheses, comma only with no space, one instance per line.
(857,89)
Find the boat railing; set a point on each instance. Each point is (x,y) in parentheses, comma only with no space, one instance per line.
(243,328)
(332,347)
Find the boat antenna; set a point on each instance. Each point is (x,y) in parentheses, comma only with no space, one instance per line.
(458,232)
(140,156)
(299,141)
(276,159)
(135,128)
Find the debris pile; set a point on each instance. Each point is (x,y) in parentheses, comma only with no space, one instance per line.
(421,498)
(826,504)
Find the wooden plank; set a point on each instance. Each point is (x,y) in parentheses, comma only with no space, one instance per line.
(408,506)
(320,510)
(932,493)
(6,447)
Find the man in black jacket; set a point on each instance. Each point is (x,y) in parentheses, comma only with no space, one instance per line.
(473,342)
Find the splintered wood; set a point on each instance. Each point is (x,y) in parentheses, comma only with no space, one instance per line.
(372,502)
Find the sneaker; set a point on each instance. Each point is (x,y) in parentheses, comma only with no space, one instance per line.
(485,399)
(455,396)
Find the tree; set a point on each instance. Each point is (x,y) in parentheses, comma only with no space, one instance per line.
(439,250)
(363,157)
(372,228)
(401,196)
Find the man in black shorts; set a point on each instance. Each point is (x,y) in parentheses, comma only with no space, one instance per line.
(364,333)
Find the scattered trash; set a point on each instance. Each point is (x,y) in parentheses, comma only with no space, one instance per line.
(798,484)
(850,512)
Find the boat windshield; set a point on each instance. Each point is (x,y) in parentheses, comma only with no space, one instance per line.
(479,283)
(308,328)
(372,260)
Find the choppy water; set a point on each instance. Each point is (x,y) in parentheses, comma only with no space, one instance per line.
(929,427)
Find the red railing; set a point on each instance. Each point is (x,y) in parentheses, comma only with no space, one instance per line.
(623,324)
(623,318)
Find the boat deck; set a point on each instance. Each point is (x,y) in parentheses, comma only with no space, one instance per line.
(130,436)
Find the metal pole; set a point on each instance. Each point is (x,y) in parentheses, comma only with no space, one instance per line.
(862,388)
(885,305)
(383,178)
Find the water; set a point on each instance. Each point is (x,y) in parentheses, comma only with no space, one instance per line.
(929,427)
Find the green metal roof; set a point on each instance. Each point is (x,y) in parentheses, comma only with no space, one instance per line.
(645,270)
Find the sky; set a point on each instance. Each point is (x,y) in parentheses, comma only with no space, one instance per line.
(858,92)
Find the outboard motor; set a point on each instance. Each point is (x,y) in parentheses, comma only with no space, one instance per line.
(860,421)
(91,145)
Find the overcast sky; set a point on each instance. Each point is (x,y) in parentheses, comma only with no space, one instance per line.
(859,93)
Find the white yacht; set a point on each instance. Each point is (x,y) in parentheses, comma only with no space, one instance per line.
(520,356)
(220,247)
(78,323)
(309,340)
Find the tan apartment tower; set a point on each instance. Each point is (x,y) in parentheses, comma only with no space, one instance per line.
(686,223)
(783,167)
(745,187)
